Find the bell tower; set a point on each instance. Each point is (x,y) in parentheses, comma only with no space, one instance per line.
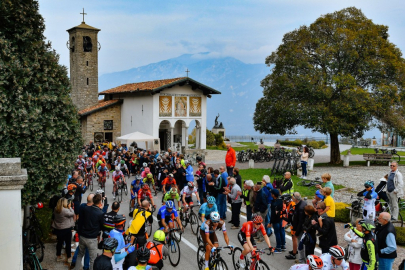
(83,50)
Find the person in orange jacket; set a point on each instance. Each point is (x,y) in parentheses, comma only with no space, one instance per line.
(230,159)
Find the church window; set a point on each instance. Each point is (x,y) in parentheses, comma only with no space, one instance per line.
(72,45)
(87,63)
(87,45)
(87,81)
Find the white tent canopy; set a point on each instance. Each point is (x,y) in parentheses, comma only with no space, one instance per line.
(143,140)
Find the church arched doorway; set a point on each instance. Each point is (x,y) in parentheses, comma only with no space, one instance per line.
(179,136)
(165,135)
(194,134)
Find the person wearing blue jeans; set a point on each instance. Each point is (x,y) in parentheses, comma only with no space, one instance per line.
(86,265)
(276,220)
(267,188)
(387,246)
(221,198)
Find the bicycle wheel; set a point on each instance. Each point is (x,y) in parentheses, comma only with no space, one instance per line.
(148,228)
(261,265)
(31,263)
(91,184)
(174,252)
(236,259)
(38,245)
(201,257)
(396,157)
(183,219)
(125,189)
(399,222)
(311,153)
(221,265)
(120,194)
(194,224)
(177,234)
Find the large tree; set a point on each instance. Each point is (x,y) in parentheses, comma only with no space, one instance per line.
(38,121)
(339,76)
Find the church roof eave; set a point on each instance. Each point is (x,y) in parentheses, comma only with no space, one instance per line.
(194,84)
(83,25)
(100,106)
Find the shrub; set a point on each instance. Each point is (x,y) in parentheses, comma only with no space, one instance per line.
(321,144)
(219,140)
(341,213)
(210,138)
(400,235)
(314,144)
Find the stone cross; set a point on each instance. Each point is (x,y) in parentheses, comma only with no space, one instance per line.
(83,14)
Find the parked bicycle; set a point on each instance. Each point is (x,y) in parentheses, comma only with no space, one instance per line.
(34,233)
(310,183)
(385,207)
(395,156)
(30,258)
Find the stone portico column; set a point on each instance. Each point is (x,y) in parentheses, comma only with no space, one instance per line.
(12,180)
(172,138)
(186,138)
(197,137)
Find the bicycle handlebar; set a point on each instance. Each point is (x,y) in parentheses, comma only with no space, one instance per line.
(220,248)
(262,251)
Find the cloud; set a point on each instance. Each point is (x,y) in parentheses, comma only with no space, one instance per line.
(231,110)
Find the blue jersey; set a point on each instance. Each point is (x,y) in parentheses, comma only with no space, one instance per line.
(135,187)
(205,210)
(163,213)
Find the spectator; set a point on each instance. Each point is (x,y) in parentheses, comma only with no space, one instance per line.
(62,224)
(380,189)
(304,161)
(329,202)
(236,202)
(230,159)
(104,260)
(237,176)
(287,186)
(109,217)
(370,197)
(221,197)
(297,223)
(189,171)
(268,187)
(224,174)
(354,243)
(387,246)
(319,197)
(276,220)
(309,229)
(211,186)
(326,179)
(325,226)
(395,186)
(260,206)
(368,248)
(247,196)
(92,220)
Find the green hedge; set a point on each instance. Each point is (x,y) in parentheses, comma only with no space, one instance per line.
(400,235)
(298,142)
(341,213)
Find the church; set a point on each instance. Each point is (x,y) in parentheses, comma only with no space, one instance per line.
(162,109)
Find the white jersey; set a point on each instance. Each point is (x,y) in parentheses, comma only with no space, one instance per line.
(299,267)
(327,263)
(117,265)
(186,190)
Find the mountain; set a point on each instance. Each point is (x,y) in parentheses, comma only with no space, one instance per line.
(238,82)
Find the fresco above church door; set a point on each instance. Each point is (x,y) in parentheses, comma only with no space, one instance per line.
(180,104)
(165,106)
(195,106)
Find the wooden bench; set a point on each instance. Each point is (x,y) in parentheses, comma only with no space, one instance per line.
(377,158)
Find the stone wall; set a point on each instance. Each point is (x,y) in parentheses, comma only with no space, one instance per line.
(95,123)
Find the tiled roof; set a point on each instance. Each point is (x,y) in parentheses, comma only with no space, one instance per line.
(157,86)
(101,105)
(83,25)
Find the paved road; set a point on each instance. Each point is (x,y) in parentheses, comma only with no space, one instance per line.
(188,245)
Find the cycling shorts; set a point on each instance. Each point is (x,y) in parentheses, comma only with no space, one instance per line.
(242,239)
(188,200)
(167,221)
(212,236)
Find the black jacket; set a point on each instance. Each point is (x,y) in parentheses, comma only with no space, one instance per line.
(260,204)
(276,211)
(91,221)
(298,217)
(327,233)
(308,227)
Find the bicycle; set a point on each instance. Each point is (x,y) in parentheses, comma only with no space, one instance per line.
(30,259)
(89,180)
(174,247)
(190,217)
(101,182)
(121,187)
(310,183)
(215,261)
(356,210)
(385,207)
(35,234)
(253,263)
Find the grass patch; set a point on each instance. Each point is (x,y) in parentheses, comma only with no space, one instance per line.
(361,151)
(247,145)
(257,174)
(44,216)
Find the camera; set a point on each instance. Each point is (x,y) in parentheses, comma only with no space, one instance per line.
(346,226)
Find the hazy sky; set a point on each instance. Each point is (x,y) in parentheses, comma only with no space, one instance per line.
(138,32)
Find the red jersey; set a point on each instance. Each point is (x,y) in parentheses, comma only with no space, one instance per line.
(248,228)
(168,183)
(142,194)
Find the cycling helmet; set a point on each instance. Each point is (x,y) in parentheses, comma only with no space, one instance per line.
(170,204)
(369,183)
(71,187)
(286,197)
(211,200)
(99,191)
(171,175)
(103,153)
(186,162)
(122,161)
(110,244)
(190,184)
(315,262)
(159,236)
(117,168)
(215,216)
(149,175)
(258,219)
(147,170)
(337,252)
(102,165)
(198,158)
(119,220)
(145,164)
(85,155)
(145,186)
(173,191)
(80,157)
(367,225)
(143,254)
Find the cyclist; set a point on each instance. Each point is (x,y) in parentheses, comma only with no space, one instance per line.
(136,185)
(313,263)
(207,232)
(334,259)
(89,166)
(149,179)
(186,195)
(103,262)
(370,197)
(102,172)
(369,247)
(143,256)
(167,183)
(171,196)
(145,170)
(247,241)
(80,163)
(158,250)
(164,216)
(207,208)
(123,167)
(120,254)
(144,193)
(117,176)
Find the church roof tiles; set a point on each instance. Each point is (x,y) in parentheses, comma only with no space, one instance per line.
(101,105)
(158,86)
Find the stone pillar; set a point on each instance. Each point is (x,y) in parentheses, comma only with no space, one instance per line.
(186,138)
(346,161)
(197,138)
(12,180)
(311,162)
(172,139)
